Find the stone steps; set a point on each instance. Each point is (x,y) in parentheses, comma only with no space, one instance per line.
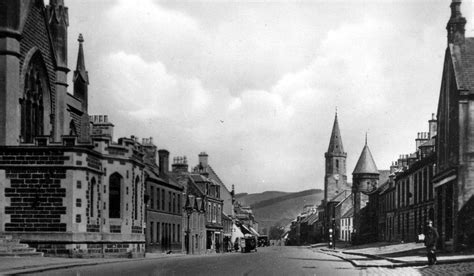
(21,254)
(10,247)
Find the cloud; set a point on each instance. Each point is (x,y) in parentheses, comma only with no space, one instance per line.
(256,86)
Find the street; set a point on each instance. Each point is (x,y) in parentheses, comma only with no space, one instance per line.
(267,261)
(284,260)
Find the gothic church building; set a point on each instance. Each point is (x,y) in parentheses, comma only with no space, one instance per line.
(65,187)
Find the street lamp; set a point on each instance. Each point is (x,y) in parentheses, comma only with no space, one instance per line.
(189,210)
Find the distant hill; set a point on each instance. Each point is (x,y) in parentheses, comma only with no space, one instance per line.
(250,199)
(274,207)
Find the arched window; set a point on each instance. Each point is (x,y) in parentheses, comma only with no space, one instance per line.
(115,195)
(135,197)
(35,102)
(92,195)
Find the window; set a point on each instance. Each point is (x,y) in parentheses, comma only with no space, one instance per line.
(174,233)
(163,199)
(158,198)
(135,197)
(179,203)
(157,237)
(169,202)
(35,104)
(79,184)
(78,219)
(214,212)
(174,203)
(152,233)
(209,211)
(115,195)
(78,202)
(152,197)
(337,165)
(179,233)
(92,194)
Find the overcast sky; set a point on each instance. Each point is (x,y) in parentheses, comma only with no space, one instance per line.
(256,84)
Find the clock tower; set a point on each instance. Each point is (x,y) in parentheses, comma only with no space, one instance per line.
(335,180)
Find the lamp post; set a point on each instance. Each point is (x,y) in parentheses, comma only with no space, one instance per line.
(189,210)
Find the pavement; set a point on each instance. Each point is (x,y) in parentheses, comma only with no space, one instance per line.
(23,265)
(390,255)
(374,255)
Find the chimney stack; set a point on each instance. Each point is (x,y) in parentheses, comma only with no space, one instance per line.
(180,164)
(163,159)
(203,159)
(433,126)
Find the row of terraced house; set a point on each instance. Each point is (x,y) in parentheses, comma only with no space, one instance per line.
(434,182)
(67,187)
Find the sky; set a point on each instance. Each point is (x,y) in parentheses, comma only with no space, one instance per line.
(255,84)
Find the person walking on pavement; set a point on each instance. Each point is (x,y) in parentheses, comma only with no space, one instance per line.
(431,239)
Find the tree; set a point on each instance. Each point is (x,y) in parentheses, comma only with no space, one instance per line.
(276,231)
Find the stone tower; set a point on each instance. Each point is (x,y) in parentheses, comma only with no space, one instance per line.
(58,22)
(335,180)
(365,179)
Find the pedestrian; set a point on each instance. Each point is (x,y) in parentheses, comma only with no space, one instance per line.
(431,239)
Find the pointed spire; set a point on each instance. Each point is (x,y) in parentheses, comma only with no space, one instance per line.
(456,24)
(366,163)
(81,66)
(335,144)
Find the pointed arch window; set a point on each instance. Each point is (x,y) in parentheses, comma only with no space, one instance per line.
(115,195)
(35,102)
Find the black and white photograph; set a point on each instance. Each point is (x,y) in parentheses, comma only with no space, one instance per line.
(236,137)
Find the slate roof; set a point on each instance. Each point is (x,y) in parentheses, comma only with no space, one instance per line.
(348,197)
(429,143)
(366,163)
(341,196)
(463,63)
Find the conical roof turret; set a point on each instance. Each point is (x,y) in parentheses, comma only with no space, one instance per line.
(366,163)
(335,144)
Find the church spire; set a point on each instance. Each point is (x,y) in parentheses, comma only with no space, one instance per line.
(81,66)
(456,24)
(81,78)
(335,144)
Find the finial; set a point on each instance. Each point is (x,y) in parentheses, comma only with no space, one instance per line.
(366,138)
(80,39)
(336,110)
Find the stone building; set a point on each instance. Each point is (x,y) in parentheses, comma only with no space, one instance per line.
(165,206)
(401,205)
(67,187)
(225,195)
(454,172)
(202,212)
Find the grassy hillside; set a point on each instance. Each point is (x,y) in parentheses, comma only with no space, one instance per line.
(272,208)
(250,199)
